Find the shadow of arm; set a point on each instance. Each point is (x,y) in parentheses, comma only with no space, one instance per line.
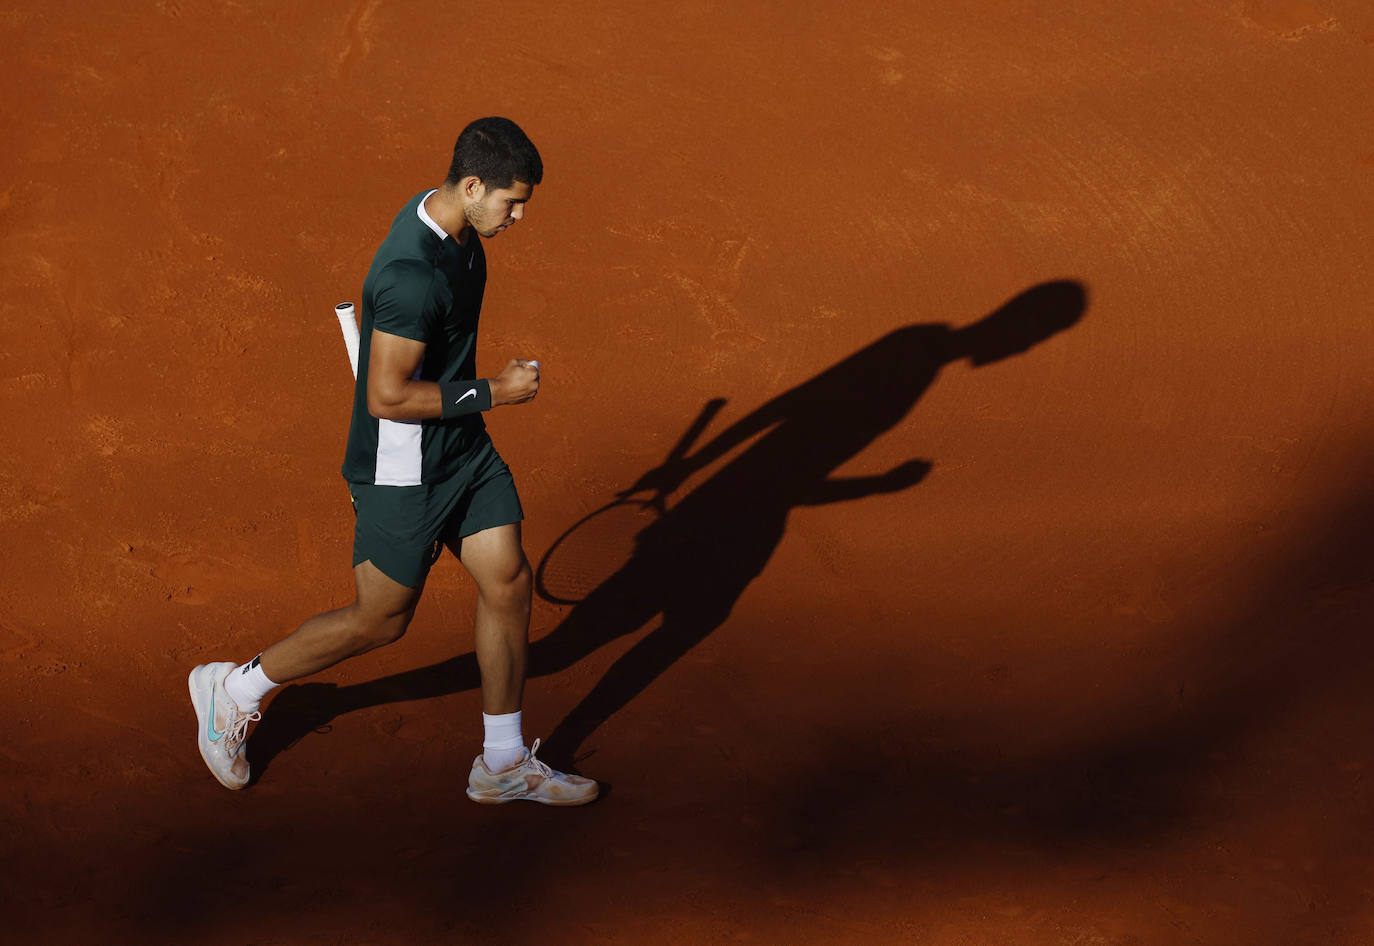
(838,490)
(669,475)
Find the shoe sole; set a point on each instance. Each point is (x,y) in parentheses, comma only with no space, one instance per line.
(552,802)
(201,712)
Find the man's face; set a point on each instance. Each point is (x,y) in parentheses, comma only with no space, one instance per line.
(489,211)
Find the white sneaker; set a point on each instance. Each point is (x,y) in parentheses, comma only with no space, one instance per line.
(222,726)
(528,780)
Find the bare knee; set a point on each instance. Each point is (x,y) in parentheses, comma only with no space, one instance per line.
(369,630)
(509,592)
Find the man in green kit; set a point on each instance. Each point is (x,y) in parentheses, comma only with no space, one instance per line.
(424,475)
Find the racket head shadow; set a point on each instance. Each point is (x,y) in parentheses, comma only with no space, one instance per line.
(592,549)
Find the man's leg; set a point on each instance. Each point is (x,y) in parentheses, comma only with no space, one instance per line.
(507,771)
(495,560)
(379,615)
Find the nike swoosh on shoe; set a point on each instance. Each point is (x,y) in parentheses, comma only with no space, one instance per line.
(210,720)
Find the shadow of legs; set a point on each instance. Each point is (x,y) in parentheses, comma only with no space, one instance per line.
(627,678)
(302,708)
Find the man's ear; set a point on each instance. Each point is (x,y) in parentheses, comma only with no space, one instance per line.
(472,187)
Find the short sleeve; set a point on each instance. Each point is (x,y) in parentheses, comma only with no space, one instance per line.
(403,300)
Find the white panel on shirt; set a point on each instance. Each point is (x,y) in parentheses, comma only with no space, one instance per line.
(398,453)
(399,457)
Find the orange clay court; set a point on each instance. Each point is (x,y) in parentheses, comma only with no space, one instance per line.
(1031,593)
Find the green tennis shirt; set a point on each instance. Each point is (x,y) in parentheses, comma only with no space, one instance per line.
(424,286)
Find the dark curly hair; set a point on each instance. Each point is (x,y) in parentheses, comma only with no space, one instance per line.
(497,152)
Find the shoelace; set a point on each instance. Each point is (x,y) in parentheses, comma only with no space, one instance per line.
(237,732)
(539,767)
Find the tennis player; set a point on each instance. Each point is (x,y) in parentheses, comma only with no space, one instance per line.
(424,475)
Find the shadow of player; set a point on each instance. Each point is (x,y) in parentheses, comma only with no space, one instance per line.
(693,564)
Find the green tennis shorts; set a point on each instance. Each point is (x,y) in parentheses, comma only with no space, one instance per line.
(403,529)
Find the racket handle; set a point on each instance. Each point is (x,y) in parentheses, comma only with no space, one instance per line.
(348,324)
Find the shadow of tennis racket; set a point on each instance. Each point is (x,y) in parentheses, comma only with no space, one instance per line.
(596,546)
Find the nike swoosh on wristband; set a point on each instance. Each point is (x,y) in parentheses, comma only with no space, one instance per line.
(470,393)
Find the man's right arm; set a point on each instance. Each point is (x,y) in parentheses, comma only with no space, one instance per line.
(393,392)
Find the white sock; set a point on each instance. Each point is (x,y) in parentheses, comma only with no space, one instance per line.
(504,744)
(247,685)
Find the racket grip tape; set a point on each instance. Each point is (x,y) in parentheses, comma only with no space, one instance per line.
(348,324)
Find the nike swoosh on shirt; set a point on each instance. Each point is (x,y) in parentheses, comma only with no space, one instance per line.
(470,393)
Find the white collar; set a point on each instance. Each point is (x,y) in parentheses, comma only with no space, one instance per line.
(428,220)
